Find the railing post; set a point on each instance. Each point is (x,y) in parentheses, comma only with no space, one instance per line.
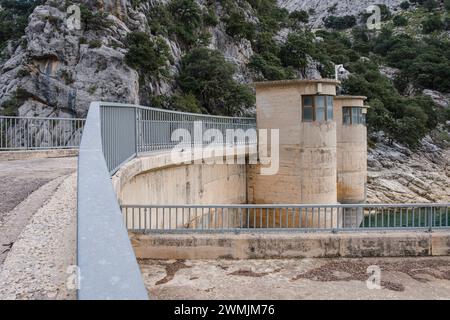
(430,220)
(136,131)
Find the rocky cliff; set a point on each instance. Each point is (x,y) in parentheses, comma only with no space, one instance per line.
(398,175)
(57,70)
(320,9)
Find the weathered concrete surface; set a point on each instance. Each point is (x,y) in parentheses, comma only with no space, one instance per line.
(158,178)
(37,265)
(290,245)
(21,177)
(15,220)
(37,154)
(307,150)
(401,278)
(351,153)
(35,229)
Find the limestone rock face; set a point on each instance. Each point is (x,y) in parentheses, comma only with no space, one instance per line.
(399,175)
(320,9)
(57,72)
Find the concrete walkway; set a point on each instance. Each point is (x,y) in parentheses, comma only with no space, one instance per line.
(37,227)
(401,278)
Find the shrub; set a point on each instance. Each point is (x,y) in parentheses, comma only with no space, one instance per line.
(405,5)
(447,5)
(295,51)
(340,23)
(187,20)
(146,55)
(432,23)
(430,5)
(406,120)
(209,77)
(182,20)
(93,20)
(238,27)
(14,18)
(11,106)
(95,43)
(269,66)
(400,21)
(179,102)
(298,17)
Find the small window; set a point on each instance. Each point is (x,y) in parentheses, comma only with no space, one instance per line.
(308,108)
(320,108)
(329,108)
(347,115)
(353,115)
(317,108)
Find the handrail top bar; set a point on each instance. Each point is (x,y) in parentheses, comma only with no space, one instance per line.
(276,206)
(127,105)
(42,118)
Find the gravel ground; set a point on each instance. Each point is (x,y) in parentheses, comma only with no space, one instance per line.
(37,265)
(25,186)
(401,278)
(21,177)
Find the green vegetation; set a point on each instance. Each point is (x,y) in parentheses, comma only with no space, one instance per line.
(11,106)
(206,75)
(340,23)
(96,43)
(182,20)
(405,5)
(400,21)
(14,18)
(179,102)
(93,20)
(423,63)
(147,56)
(432,23)
(67,76)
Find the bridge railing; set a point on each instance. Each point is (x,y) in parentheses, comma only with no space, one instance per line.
(299,218)
(129,130)
(113,134)
(40,133)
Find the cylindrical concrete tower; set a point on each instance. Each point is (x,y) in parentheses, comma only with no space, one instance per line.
(302,111)
(350,116)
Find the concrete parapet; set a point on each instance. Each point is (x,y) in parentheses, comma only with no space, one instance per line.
(290,245)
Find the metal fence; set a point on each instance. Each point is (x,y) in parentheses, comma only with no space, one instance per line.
(128,130)
(155,128)
(114,133)
(207,218)
(33,133)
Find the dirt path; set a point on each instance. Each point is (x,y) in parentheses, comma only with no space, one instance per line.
(401,278)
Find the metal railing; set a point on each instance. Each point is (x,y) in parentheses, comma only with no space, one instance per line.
(128,130)
(208,218)
(113,134)
(155,128)
(35,133)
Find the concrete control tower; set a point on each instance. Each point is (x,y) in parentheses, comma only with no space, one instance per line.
(322,152)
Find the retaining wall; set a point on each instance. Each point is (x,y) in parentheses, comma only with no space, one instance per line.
(290,245)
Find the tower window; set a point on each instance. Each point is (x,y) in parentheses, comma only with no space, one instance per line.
(317,108)
(353,115)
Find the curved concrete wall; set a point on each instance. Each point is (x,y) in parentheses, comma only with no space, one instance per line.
(351,154)
(154,179)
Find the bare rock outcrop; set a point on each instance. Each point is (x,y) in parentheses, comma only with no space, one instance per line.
(320,9)
(399,175)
